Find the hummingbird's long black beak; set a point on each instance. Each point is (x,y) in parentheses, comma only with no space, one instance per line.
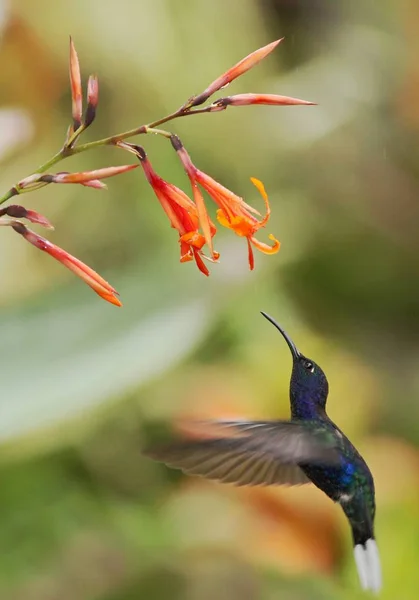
(295,353)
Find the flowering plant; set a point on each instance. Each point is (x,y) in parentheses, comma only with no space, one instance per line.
(187,215)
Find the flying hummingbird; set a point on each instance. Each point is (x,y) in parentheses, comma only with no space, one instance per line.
(308,448)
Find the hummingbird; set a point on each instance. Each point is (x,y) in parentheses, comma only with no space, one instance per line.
(307,448)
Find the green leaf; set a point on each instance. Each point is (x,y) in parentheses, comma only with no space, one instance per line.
(61,357)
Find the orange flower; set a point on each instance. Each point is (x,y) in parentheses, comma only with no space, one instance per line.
(233,212)
(93,279)
(182,212)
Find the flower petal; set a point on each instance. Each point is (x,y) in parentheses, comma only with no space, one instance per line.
(241,226)
(261,189)
(265,248)
(203,217)
(199,262)
(250,255)
(225,198)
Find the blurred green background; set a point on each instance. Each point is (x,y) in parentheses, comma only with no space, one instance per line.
(82,514)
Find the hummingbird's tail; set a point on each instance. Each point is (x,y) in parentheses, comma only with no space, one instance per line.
(367,560)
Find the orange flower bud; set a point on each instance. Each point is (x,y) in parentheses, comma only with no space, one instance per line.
(93,279)
(75,82)
(92,100)
(86,177)
(20,212)
(268,99)
(238,69)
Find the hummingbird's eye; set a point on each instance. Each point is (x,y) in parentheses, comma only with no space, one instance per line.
(309,366)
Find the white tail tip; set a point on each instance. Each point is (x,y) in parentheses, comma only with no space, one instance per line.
(367,561)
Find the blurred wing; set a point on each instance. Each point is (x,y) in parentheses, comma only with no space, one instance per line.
(251,453)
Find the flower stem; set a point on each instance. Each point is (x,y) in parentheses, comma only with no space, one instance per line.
(53,161)
(69,150)
(9,194)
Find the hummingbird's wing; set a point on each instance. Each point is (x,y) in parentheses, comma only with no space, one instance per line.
(250,452)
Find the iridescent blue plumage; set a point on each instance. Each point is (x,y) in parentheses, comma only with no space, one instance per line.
(308,448)
(350,483)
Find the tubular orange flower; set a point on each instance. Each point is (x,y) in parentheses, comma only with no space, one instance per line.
(233,212)
(238,69)
(182,212)
(93,279)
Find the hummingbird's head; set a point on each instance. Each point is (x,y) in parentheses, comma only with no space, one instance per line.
(308,386)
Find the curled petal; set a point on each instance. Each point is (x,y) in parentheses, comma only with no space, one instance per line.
(261,189)
(238,69)
(265,248)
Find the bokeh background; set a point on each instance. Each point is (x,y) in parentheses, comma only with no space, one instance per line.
(82,514)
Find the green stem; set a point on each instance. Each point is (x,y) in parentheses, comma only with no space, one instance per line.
(9,194)
(68,151)
(162,132)
(137,131)
(52,161)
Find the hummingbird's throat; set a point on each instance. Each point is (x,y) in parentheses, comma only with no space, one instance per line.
(306,404)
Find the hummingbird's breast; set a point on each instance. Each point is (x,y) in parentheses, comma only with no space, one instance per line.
(343,479)
(333,481)
(351,476)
